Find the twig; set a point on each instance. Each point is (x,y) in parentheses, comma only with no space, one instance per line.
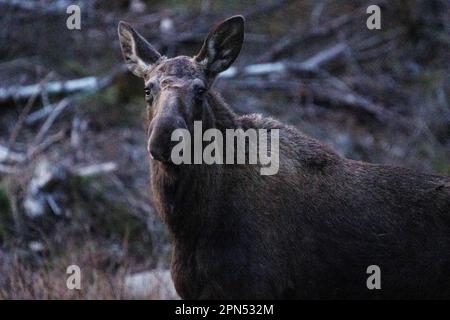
(349,100)
(24,113)
(102,82)
(39,114)
(51,119)
(132,200)
(323,56)
(66,102)
(95,169)
(7,155)
(35,150)
(290,41)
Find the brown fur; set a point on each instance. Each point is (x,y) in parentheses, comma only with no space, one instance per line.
(309,231)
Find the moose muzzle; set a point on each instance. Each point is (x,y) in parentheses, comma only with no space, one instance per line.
(159,136)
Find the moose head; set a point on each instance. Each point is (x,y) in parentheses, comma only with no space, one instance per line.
(177,89)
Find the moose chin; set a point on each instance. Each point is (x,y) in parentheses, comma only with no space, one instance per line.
(308,232)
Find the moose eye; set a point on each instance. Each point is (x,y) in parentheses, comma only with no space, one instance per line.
(149,93)
(200,91)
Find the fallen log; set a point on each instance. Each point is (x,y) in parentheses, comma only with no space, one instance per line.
(86,84)
(55,87)
(95,169)
(310,65)
(8,155)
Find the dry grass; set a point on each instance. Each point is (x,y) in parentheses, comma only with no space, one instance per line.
(45,278)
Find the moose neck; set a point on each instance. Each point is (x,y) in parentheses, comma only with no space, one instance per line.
(182,194)
(224,117)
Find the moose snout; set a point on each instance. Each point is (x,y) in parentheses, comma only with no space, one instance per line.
(159,137)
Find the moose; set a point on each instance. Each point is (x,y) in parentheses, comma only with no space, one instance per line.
(308,232)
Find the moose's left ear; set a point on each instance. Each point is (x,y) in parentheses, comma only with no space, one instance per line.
(138,53)
(222,45)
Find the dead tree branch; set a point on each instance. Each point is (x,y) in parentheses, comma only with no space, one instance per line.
(7,155)
(334,99)
(289,42)
(26,110)
(51,119)
(33,151)
(95,169)
(310,65)
(55,87)
(86,84)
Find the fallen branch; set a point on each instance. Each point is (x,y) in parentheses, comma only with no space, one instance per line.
(95,169)
(86,85)
(51,119)
(310,65)
(35,150)
(338,99)
(7,155)
(39,114)
(323,56)
(55,87)
(25,111)
(290,41)
(349,100)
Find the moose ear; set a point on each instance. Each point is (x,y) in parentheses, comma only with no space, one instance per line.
(137,52)
(222,45)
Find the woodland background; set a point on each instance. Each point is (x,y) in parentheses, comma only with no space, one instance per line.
(73,165)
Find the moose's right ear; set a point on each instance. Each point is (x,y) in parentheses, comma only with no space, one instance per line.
(138,53)
(222,45)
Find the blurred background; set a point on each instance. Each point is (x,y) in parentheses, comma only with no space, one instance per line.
(74,180)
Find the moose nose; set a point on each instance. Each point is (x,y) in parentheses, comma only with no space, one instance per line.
(157,153)
(160,143)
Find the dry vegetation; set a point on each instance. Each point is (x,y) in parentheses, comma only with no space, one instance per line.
(73,168)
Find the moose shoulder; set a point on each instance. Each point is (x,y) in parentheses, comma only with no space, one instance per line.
(309,231)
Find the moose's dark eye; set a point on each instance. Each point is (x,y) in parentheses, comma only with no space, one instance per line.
(149,93)
(199,91)
(148,89)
